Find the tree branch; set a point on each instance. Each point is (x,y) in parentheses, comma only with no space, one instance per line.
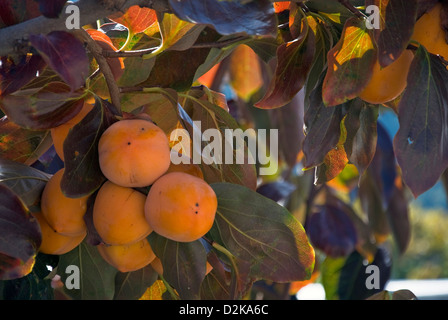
(104,67)
(14,39)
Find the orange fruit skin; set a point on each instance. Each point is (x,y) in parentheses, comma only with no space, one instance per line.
(53,242)
(190,168)
(119,214)
(59,133)
(429,33)
(127,258)
(181,207)
(64,215)
(388,83)
(133,153)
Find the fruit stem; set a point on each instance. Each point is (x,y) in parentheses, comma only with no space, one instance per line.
(169,288)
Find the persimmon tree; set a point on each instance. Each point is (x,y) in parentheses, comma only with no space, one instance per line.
(343,184)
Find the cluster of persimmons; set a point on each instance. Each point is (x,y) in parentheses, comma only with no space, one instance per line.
(134,155)
(386,84)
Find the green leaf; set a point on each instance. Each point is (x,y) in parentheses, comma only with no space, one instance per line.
(132,285)
(349,63)
(184,264)
(97,277)
(262,234)
(211,116)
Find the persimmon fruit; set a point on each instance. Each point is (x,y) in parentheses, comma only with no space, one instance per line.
(133,153)
(53,242)
(181,207)
(119,214)
(388,83)
(59,133)
(127,258)
(428,32)
(64,215)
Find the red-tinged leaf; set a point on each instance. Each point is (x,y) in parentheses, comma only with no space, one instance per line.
(420,143)
(349,63)
(116,64)
(266,237)
(82,174)
(396,27)
(137,19)
(281,6)
(51,8)
(20,236)
(65,54)
(21,145)
(13,12)
(289,122)
(46,108)
(335,160)
(322,129)
(228,17)
(14,76)
(399,219)
(361,124)
(372,205)
(294,61)
(332,231)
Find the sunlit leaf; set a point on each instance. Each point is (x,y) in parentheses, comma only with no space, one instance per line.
(137,19)
(349,62)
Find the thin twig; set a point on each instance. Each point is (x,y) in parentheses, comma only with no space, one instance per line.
(352,8)
(104,67)
(125,54)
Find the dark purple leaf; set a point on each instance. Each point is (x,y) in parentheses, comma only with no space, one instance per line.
(361,125)
(65,54)
(51,8)
(20,236)
(421,142)
(322,129)
(13,77)
(332,231)
(46,108)
(228,17)
(396,27)
(82,174)
(399,220)
(294,62)
(356,273)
